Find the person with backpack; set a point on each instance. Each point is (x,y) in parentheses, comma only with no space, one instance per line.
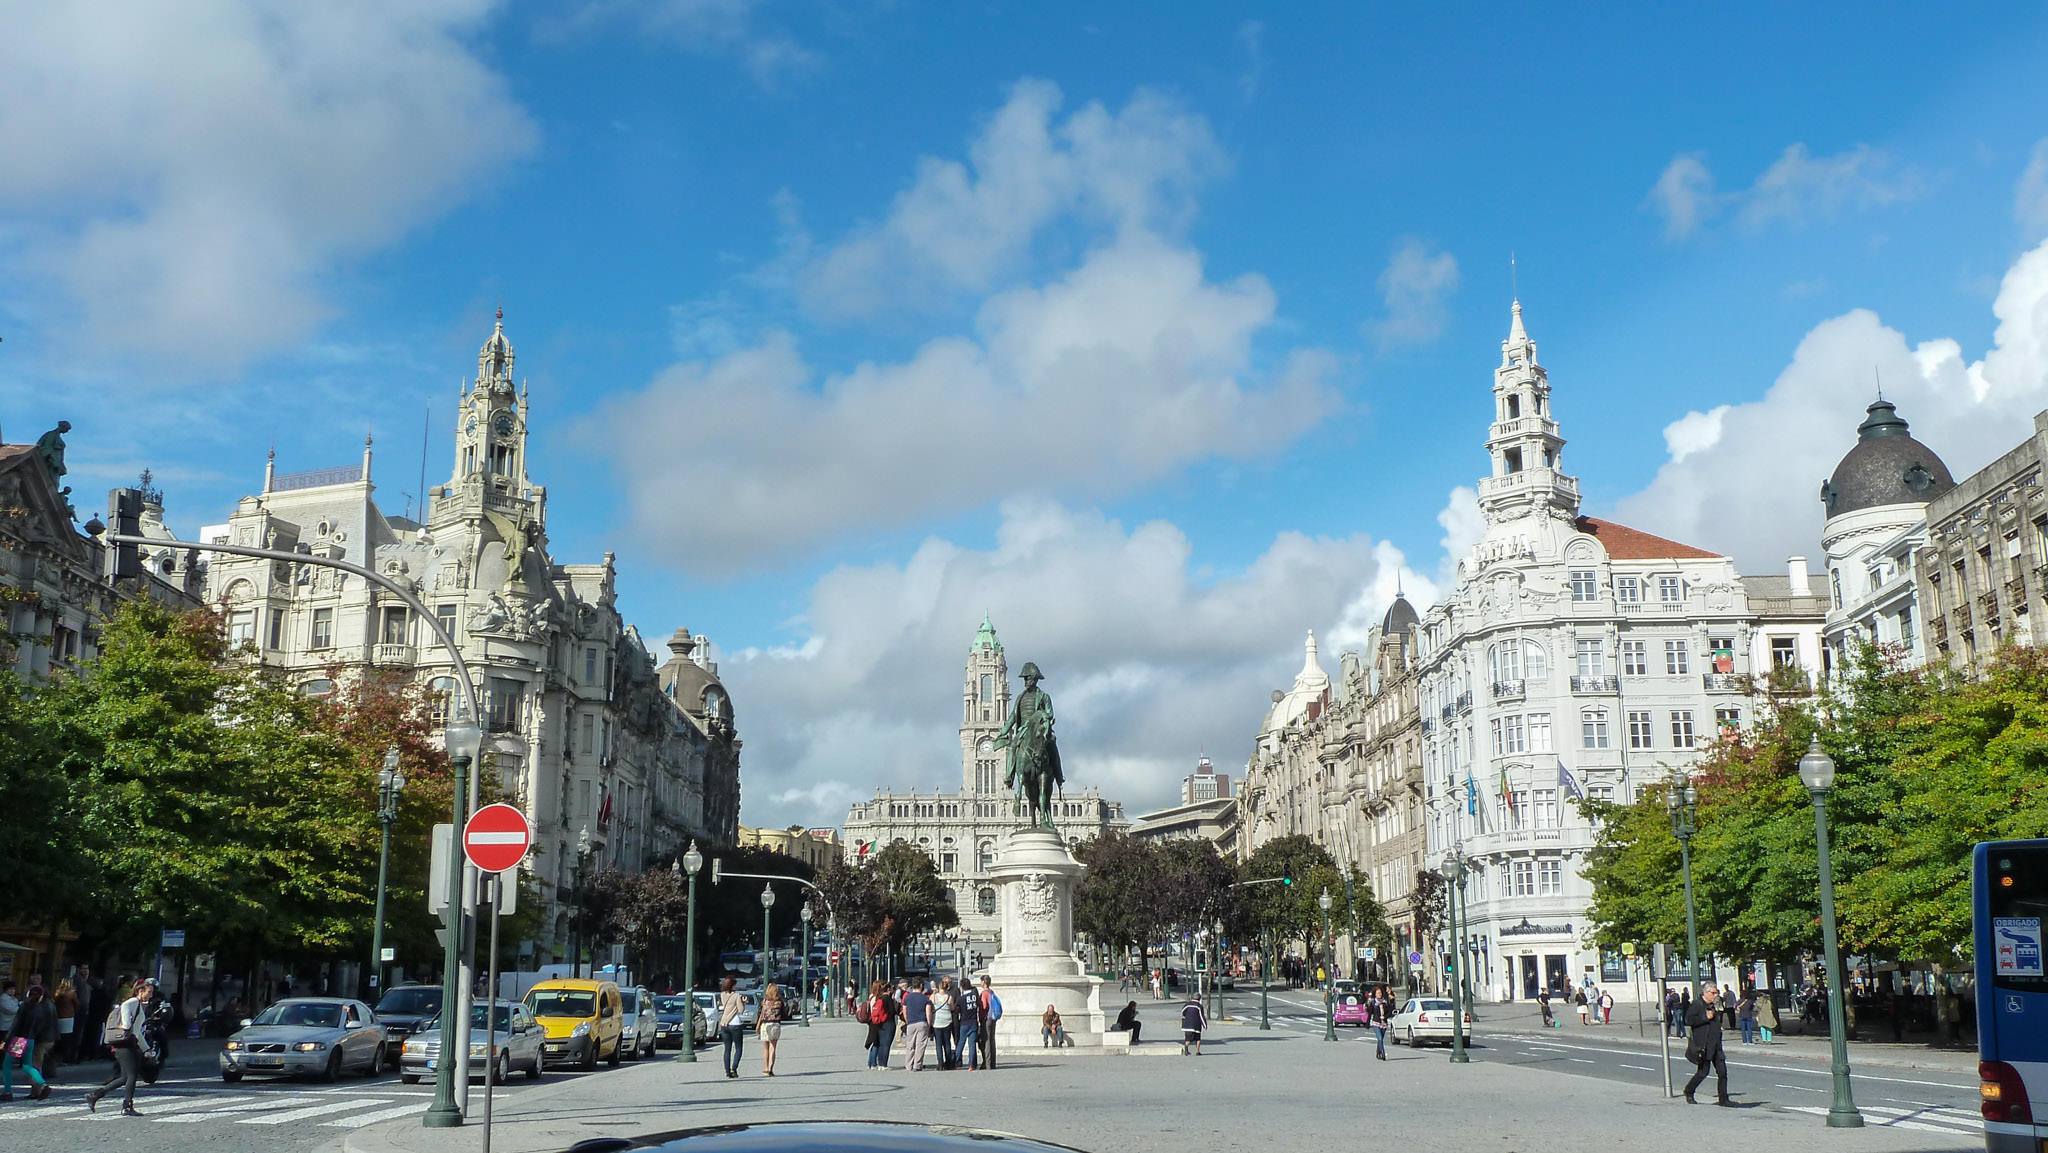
(946,1023)
(992,1011)
(33,1029)
(122,1031)
(878,1012)
(1193,1020)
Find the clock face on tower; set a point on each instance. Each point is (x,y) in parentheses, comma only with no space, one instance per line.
(988,746)
(503,423)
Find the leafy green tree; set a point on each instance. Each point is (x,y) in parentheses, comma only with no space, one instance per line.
(1118,902)
(913,897)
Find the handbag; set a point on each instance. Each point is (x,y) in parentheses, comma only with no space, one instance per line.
(18,1048)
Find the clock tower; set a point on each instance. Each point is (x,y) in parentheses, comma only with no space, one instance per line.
(985,702)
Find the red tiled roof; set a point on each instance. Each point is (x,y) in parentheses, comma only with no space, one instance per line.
(1625,543)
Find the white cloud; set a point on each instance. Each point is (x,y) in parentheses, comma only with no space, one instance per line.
(961,226)
(1148,662)
(723,27)
(1745,478)
(1684,195)
(1797,187)
(188,175)
(1251,38)
(1463,525)
(1414,285)
(2030,198)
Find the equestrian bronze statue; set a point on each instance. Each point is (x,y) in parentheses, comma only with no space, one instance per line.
(1034,771)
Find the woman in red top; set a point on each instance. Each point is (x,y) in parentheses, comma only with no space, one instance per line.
(881,1012)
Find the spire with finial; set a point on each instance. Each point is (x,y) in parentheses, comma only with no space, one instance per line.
(366,457)
(270,469)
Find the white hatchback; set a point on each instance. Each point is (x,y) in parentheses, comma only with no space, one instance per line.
(1426,1019)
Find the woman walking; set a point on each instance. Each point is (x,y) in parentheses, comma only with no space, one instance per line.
(769,1026)
(881,1018)
(34,1026)
(1377,1006)
(731,1007)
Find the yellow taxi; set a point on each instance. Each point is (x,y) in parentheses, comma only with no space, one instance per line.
(582,1019)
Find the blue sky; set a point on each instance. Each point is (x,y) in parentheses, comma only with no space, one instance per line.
(1163,334)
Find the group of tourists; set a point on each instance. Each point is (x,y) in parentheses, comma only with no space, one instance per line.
(959,1017)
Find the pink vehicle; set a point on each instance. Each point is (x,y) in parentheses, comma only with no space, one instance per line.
(1350,1009)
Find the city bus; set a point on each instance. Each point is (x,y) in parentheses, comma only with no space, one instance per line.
(2010,883)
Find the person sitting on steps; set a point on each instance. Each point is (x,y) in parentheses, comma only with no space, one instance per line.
(1053,1032)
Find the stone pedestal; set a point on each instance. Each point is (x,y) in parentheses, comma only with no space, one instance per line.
(1036,966)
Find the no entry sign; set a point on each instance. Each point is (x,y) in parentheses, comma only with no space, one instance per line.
(496,838)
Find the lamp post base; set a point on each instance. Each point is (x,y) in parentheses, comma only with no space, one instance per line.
(1840,1120)
(440,1117)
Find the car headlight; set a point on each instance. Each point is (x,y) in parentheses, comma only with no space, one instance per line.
(309,1046)
(478,1049)
(582,1029)
(413,1048)
(233,1046)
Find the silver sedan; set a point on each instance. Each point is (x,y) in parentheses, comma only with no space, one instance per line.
(521,1044)
(318,1035)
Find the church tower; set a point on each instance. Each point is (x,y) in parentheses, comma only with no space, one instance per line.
(1528,452)
(985,703)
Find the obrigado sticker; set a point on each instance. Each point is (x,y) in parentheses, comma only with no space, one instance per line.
(2018,942)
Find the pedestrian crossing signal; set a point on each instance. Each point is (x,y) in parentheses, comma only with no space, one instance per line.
(1287,880)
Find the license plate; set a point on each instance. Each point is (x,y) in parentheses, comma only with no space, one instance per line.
(267,1062)
(431,1064)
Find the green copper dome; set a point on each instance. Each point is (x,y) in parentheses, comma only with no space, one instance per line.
(985,636)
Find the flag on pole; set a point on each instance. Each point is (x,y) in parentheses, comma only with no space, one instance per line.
(1471,796)
(1568,782)
(1507,793)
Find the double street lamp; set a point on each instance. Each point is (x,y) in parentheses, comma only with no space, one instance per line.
(1329,987)
(390,782)
(1682,802)
(1817,772)
(689,863)
(767,949)
(576,920)
(1460,995)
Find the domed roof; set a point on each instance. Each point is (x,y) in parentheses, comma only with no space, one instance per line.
(1886,467)
(1400,617)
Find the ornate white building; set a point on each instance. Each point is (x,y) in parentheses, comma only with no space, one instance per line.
(583,730)
(1876,505)
(1573,655)
(961,831)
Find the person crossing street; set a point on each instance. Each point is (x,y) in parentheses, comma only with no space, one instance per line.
(1703,1020)
(1193,1021)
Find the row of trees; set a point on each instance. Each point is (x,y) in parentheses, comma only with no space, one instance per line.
(885,901)
(168,788)
(1928,763)
(1139,894)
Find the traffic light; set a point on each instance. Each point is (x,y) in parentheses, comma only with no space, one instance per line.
(124,508)
(1287,880)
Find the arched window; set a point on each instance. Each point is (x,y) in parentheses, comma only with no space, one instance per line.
(318,687)
(442,691)
(985,902)
(1593,729)
(1535,661)
(987,856)
(988,687)
(952,899)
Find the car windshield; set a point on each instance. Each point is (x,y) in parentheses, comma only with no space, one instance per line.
(562,1003)
(425,999)
(672,1005)
(476,1020)
(629,1002)
(300,1013)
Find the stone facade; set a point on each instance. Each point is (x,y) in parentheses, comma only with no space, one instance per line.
(814,847)
(963,831)
(1983,572)
(1342,765)
(583,730)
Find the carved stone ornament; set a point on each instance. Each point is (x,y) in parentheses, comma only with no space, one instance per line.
(1037,900)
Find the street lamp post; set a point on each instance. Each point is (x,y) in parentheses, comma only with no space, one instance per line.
(803,969)
(1459,995)
(1329,955)
(576,917)
(1265,977)
(691,862)
(767,948)
(1681,802)
(390,782)
(463,741)
(1216,970)
(1817,772)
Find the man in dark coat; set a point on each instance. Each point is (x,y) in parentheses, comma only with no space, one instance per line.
(1704,1047)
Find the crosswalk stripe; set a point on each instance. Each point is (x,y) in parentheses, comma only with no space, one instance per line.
(412,1110)
(312,1111)
(1894,1123)
(243,1107)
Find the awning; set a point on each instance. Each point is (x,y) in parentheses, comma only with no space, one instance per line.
(16,948)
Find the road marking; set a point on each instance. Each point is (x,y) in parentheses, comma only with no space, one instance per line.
(1644,1068)
(1799,1088)
(312,1111)
(1580,1060)
(1894,1123)
(244,1107)
(410,1110)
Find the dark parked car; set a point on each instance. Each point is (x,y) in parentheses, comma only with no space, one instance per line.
(403,1010)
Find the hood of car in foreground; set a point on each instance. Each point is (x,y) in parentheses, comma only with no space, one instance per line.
(824,1136)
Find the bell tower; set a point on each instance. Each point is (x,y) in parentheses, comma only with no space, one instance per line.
(1525,444)
(984,704)
(490,438)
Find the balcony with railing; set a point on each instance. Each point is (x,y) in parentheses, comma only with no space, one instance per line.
(393,655)
(1465,701)
(1724,682)
(1939,627)
(1512,690)
(1988,604)
(1601,684)
(1962,615)
(1539,483)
